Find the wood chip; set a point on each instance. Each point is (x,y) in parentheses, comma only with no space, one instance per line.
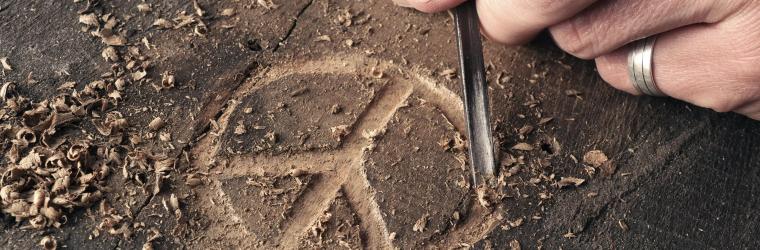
(323,38)
(67,86)
(89,20)
(163,24)
(421,223)
(595,158)
(545,120)
(569,235)
(526,130)
(114,40)
(228,12)
(165,136)
(572,93)
(48,243)
(139,75)
(522,146)
(6,65)
(623,225)
(515,245)
(240,128)
(516,223)
(167,81)
(198,10)
(110,54)
(156,124)
(268,4)
(570,181)
(144,7)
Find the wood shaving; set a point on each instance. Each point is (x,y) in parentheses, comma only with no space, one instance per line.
(623,225)
(139,75)
(183,20)
(572,93)
(198,10)
(570,181)
(228,12)
(569,235)
(523,147)
(67,86)
(421,223)
(163,24)
(156,124)
(240,128)
(595,158)
(267,4)
(515,245)
(483,194)
(271,136)
(48,243)
(165,136)
(6,65)
(525,130)
(516,223)
(144,8)
(167,81)
(89,20)
(545,120)
(110,54)
(323,38)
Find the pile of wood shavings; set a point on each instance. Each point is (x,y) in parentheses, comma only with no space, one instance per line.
(52,165)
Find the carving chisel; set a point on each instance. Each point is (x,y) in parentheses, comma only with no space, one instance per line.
(476,106)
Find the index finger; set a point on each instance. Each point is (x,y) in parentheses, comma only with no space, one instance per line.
(429,6)
(515,22)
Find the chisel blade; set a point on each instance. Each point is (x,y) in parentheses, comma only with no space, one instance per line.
(476,105)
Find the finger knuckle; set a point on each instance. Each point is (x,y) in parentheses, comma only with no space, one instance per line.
(546,8)
(720,105)
(730,98)
(573,39)
(610,74)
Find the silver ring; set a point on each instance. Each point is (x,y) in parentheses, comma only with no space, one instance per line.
(640,67)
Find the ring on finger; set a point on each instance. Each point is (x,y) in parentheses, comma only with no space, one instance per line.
(640,67)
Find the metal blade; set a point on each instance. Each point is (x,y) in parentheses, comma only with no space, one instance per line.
(476,104)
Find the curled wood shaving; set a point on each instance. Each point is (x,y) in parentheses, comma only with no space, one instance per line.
(6,65)
(48,243)
(7,89)
(198,10)
(570,181)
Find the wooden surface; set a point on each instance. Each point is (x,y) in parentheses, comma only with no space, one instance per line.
(685,177)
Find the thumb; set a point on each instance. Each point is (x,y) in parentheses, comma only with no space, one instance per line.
(429,6)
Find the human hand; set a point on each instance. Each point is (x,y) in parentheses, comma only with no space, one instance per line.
(707,52)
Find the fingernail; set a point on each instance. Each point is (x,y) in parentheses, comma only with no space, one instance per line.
(402,3)
(410,3)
